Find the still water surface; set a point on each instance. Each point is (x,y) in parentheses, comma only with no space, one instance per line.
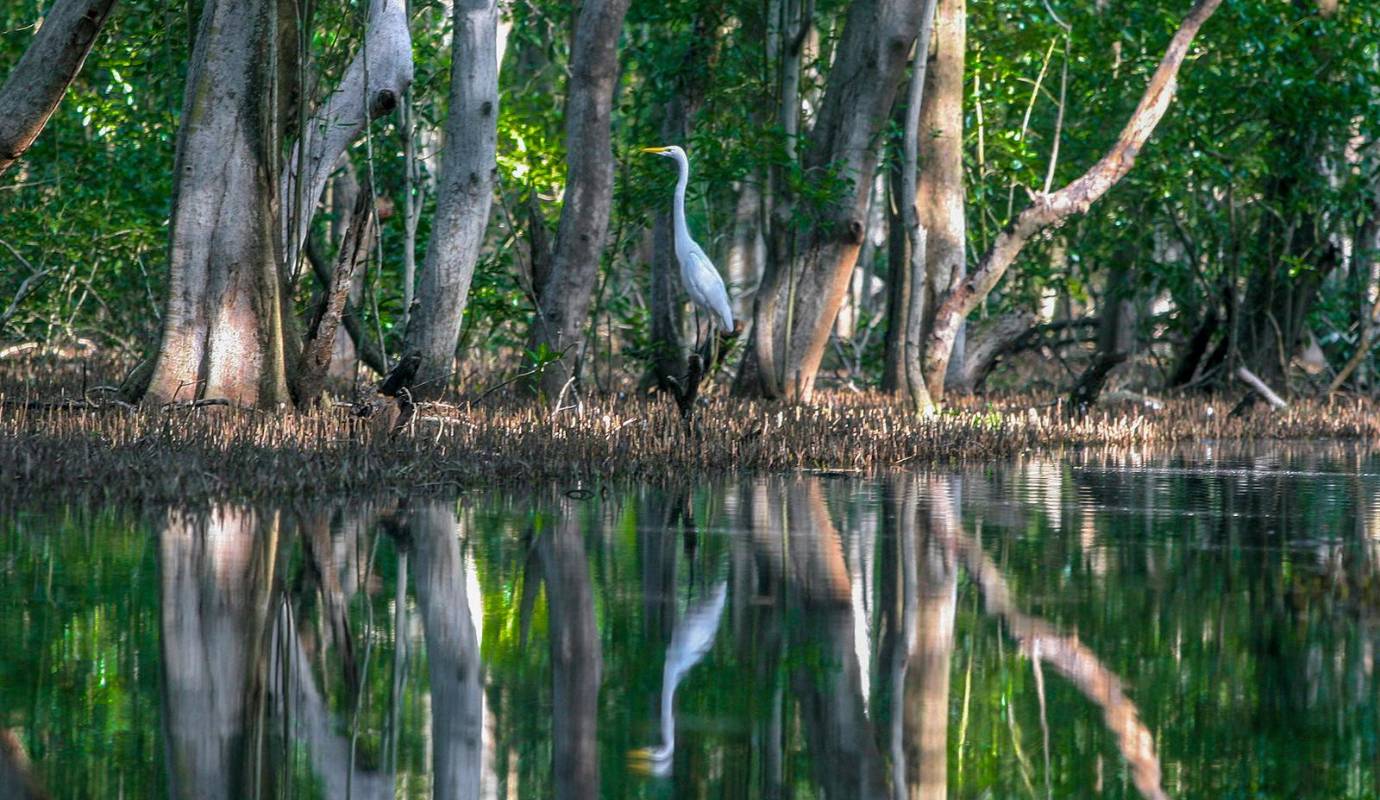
(1115,625)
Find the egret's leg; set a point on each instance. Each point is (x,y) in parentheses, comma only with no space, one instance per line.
(696,310)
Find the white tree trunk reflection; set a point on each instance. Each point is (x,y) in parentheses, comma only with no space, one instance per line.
(452,646)
(216,575)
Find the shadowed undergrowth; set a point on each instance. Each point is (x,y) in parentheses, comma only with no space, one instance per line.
(181,453)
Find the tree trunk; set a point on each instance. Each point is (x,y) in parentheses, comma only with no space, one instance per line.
(373,85)
(899,275)
(809,269)
(343,192)
(668,346)
(1115,334)
(1367,264)
(310,374)
(1298,258)
(1052,209)
(990,341)
(223,326)
(465,195)
(938,228)
(748,250)
(52,60)
(668,358)
(563,298)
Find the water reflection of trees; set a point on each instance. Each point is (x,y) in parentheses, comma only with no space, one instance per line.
(346,646)
(266,684)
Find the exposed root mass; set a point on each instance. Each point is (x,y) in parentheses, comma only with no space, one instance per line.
(114,451)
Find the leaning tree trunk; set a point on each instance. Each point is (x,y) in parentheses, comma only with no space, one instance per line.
(468,173)
(372,86)
(564,296)
(806,280)
(36,85)
(223,327)
(1052,209)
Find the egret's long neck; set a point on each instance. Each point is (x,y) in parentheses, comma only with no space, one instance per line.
(679,211)
(669,679)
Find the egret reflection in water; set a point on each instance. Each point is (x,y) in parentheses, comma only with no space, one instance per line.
(691,640)
(1129,628)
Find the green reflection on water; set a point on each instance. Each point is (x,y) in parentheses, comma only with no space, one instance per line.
(1110,625)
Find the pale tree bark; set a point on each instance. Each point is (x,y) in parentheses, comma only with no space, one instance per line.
(343,191)
(227,332)
(989,341)
(898,280)
(223,325)
(809,268)
(564,296)
(38,82)
(936,233)
(463,198)
(927,109)
(452,648)
(1052,209)
(373,85)
(748,250)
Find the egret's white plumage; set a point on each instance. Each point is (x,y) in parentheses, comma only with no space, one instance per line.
(697,273)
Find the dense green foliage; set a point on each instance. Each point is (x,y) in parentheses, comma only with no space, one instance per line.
(1247,207)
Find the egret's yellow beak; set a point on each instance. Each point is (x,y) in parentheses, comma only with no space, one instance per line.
(641,762)
(655,149)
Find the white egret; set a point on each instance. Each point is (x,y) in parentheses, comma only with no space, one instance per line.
(691,640)
(697,273)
